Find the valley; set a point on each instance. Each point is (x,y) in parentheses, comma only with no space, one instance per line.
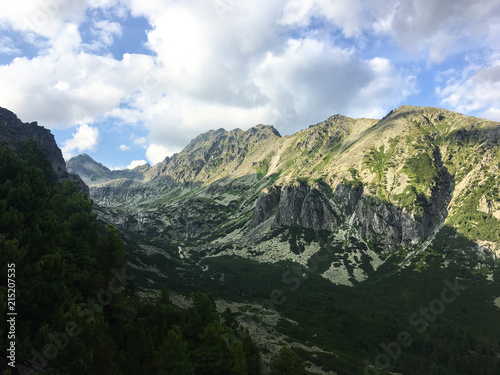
(340,232)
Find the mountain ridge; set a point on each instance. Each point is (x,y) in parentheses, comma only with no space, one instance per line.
(401,178)
(95,173)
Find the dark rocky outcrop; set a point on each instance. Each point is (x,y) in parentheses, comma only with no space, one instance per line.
(317,208)
(15,133)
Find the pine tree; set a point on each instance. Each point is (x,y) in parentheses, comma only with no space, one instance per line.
(287,362)
(173,358)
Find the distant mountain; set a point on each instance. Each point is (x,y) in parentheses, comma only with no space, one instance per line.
(14,133)
(94,173)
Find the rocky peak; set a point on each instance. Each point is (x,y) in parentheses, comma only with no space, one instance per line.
(94,173)
(88,169)
(265,131)
(216,152)
(221,136)
(14,133)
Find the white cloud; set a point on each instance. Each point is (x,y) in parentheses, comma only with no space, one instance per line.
(345,14)
(437,29)
(426,28)
(282,62)
(7,46)
(141,141)
(69,89)
(41,18)
(492,114)
(157,153)
(124,147)
(312,80)
(244,70)
(136,163)
(104,32)
(85,139)
(474,89)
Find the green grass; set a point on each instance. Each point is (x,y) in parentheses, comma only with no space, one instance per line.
(378,161)
(263,166)
(470,222)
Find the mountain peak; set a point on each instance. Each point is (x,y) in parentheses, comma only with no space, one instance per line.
(95,173)
(265,129)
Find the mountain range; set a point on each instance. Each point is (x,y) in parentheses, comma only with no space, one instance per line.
(382,207)
(369,246)
(401,182)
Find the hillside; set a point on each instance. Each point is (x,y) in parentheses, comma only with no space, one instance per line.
(93,173)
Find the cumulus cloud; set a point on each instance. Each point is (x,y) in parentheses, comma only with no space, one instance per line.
(157,153)
(311,80)
(347,15)
(73,88)
(244,70)
(41,18)
(473,89)
(85,139)
(428,28)
(124,148)
(443,27)
(283,62)
(136,163)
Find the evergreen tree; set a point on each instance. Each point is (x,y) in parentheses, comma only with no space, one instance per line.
(287,362)
(173,357)
(214,357)
(64,259)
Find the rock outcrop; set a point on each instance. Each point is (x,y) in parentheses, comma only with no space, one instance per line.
(14,133)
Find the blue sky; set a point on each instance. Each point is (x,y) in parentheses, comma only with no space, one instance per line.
(129,81)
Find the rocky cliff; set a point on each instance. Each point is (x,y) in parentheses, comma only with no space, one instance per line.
(14,133)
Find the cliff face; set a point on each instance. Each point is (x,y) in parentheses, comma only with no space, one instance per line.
(14,133)
(318,207)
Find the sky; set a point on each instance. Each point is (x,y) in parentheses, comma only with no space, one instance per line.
(133,81)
